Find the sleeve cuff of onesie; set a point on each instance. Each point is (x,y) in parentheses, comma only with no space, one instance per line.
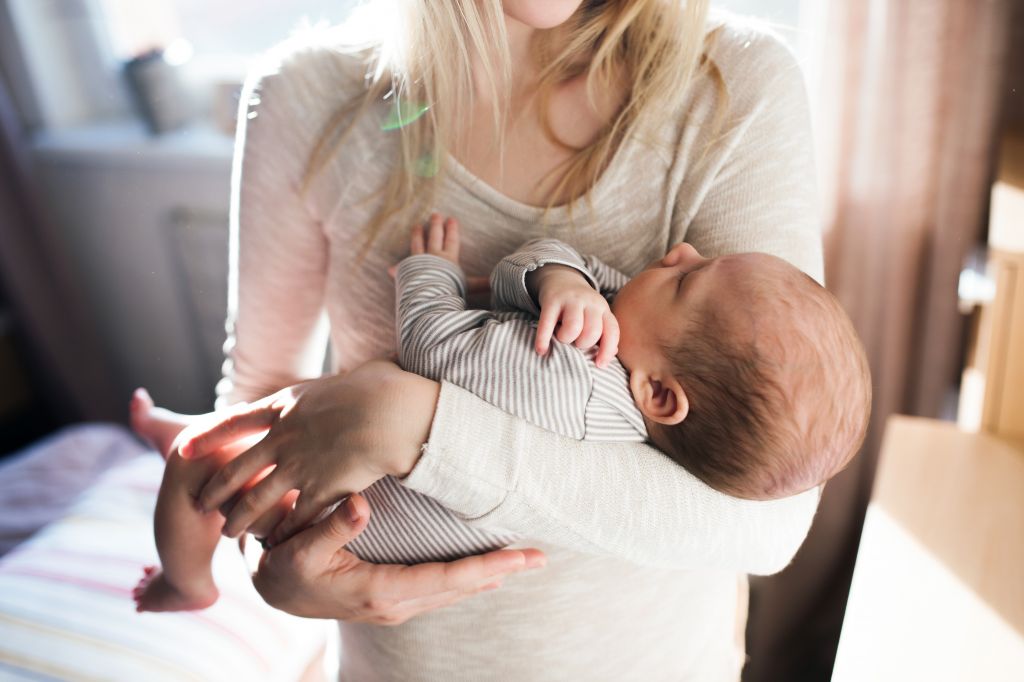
(435,265)
(468,465)
(508,281)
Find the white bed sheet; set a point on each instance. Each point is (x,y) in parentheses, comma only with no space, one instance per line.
(79,507)
(39,483)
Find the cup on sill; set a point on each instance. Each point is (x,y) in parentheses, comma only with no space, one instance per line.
(156,86)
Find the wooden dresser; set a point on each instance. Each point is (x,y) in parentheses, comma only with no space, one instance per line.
(938,588)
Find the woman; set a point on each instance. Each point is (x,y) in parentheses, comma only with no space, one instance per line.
(598,122)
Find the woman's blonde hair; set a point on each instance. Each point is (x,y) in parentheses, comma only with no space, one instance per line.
(421,64)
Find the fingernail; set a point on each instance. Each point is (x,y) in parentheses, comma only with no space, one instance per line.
(350,509)
(536,562)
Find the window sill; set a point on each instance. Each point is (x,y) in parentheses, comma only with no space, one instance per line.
(127,142)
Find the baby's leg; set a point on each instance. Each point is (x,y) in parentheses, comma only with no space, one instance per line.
(185,539)
(155,425)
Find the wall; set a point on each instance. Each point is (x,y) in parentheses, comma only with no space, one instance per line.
(145,220)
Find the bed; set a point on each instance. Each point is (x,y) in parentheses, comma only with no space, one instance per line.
(75,534)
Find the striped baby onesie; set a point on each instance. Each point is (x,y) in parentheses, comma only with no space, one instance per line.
(491,354)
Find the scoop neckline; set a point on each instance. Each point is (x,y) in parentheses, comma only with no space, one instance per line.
(556,215)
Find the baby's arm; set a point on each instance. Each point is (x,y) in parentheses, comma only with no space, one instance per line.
(548,278)
(430,299)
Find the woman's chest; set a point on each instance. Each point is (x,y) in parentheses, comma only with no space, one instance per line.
(538,163)
(360,297)
(626,223)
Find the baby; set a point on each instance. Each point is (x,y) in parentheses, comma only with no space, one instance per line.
(740,368)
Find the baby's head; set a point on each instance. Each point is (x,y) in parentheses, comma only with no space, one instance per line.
(747,371)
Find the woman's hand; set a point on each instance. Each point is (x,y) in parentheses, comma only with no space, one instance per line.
(310,576)
(327,438)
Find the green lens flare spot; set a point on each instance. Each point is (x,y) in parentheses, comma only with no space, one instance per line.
(402,114)
(426,166)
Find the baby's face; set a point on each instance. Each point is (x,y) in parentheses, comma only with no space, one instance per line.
(661,305)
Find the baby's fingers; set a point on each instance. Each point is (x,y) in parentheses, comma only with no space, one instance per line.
(591,332)
(572,324)
(435,236)
(546,327)
(417,244)
(609,340)
(451,239)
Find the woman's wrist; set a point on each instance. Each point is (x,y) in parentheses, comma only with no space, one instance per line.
(411,403)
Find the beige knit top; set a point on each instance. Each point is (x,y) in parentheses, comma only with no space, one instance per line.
(644,560)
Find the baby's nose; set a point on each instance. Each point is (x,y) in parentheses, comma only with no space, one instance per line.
(679,253)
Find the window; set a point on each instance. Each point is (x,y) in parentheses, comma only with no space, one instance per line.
(212,27)
(64,57)
(782,15)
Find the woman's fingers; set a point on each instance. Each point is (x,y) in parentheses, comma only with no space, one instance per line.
(264,526)
(306,509)
(412,582)
(340,527)
(235,474)
(310,575)
(254,503)
(204,437)
(609,340)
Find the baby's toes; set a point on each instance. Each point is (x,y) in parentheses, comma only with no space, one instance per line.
(139,590)
(148,573)
(139,409)
(141,402)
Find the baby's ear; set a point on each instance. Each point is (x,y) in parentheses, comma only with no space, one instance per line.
(661,399)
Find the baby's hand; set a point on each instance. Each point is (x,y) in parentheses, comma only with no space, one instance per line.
(441,238)
(581,314)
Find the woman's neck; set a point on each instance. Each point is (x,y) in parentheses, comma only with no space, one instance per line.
(523,71)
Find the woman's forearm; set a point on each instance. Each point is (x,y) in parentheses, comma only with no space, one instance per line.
(623,500)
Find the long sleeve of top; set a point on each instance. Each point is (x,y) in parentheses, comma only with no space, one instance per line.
(629,500)
(744,185)
(492,355)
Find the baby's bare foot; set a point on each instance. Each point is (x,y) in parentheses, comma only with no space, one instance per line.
(155,593)
(155,425)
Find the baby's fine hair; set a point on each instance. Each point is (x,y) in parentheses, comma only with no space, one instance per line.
(775,408)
